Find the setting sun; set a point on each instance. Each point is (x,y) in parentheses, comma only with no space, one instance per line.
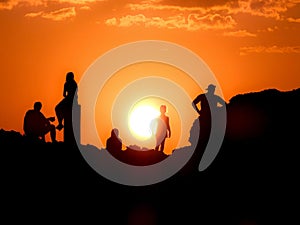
(158,111)
(139,122)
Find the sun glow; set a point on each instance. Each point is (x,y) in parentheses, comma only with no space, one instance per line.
(139,121)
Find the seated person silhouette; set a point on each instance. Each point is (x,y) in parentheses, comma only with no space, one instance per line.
(114,143)
(209,102)
(163,129)
(36,125)
(69,93)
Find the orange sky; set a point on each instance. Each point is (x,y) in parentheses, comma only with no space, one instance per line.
(249,45)
(132,77)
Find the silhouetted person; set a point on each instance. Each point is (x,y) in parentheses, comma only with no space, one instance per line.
(114,143)
(69,93)
(205,99)
(209,102)
(163,129)
(36,125)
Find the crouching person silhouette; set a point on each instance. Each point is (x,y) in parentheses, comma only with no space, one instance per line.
(114,143)
(36,125)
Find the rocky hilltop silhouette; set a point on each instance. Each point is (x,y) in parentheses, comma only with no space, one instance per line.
(253,179)
(262,113)
(139,156)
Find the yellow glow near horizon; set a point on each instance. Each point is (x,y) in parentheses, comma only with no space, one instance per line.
(139,121)
(111,114)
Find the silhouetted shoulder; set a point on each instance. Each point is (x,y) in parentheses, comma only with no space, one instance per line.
(200,97)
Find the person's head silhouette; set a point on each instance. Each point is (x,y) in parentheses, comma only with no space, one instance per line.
(211,88)
(70,76)
(163,109)
(37,106)
(114,132)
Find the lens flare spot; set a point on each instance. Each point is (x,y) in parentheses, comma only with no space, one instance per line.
(139,122)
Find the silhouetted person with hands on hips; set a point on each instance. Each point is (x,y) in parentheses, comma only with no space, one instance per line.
(69,93)
(36,125)
(206,98)
(163,129)
(209,102)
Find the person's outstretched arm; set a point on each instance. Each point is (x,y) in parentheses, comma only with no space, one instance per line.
(221,101)
(51,119)
(194,104)
(43,119)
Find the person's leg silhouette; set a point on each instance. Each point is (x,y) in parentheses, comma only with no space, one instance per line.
(59,110)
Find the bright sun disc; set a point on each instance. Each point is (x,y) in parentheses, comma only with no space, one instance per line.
(140,119)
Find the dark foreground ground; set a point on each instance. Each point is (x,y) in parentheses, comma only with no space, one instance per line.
(254,179)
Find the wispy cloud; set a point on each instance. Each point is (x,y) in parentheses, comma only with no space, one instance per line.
(239,33)
(199,15)
(211,21)
(141,20)
(153,6)
(78,2)
(85,7)
(266,8)
(271,49)
(269,29)
(272,29)
(263,8)
(294,20)
(57,15)
(110,22)
(34,14)
(10,4)
(191,22)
